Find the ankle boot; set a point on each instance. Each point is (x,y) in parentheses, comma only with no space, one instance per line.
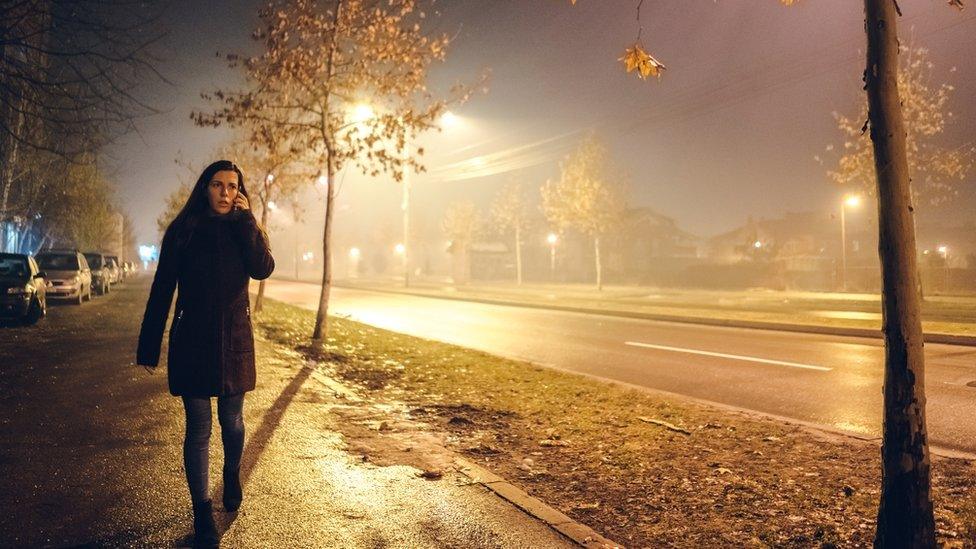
(233,494)
(204,529)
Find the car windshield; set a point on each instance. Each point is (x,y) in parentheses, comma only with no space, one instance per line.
(94,261)
(13,266)
(58,262)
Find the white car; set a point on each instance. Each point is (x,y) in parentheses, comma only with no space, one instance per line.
(68,275)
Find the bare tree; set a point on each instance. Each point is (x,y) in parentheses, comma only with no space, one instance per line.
(70,77)
(346,80)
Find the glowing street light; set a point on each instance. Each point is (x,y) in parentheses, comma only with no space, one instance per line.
(272,206)
(352,266)
(552,239)
(757,244)
(362,112)
(399,249)
(850,201)
(944,250)
(449,120)
(322,180)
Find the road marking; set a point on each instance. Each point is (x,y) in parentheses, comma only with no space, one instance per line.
(733,357)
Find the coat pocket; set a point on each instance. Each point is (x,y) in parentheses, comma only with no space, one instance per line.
(241,331)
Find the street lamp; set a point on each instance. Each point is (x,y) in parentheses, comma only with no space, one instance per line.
(447,120)
(552,239)
(353,267)
(944,250)
(851,201)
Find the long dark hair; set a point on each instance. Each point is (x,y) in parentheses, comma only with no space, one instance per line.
(198,204)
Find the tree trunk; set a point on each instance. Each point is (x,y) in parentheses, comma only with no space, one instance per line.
(518,254)
(259,300)
(599,265)
(321,330)
(8,160)
(905,517)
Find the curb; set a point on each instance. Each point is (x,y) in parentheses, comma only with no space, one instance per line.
(577,532)
(947,339)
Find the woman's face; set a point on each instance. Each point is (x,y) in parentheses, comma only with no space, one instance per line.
(222,190)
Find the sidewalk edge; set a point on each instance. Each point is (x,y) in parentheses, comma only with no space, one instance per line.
(577,532)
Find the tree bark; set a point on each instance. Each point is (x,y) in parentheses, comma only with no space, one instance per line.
(905,517)
(321,330)
(259,300)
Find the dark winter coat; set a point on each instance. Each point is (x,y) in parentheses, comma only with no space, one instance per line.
(211,343)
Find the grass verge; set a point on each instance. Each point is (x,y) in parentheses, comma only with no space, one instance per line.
(640,468)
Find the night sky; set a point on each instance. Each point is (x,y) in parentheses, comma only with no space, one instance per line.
(731,130)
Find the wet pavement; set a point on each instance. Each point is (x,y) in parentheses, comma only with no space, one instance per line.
(91,445)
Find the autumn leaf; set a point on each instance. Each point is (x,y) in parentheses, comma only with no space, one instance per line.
(636,58)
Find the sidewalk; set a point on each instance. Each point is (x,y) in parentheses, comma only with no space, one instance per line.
(91,447)
(946,319)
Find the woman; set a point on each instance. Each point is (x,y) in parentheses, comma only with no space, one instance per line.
(211,251)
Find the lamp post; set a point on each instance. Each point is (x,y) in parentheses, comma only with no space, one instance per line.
(354,255)
(552,239)
(944,250)
(852,201)
(447,120)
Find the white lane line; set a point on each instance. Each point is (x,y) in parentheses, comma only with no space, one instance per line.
(733,357)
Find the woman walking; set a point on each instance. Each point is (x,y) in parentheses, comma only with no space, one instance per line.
(210,251)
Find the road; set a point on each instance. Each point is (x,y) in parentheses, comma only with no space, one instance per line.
(829,381)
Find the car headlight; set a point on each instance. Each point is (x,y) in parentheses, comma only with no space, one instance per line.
(19,290)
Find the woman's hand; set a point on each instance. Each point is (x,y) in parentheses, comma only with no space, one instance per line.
(241,203)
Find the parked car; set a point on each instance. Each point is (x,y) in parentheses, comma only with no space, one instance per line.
(116,269)
(23,292)
(68,274)
(100,272)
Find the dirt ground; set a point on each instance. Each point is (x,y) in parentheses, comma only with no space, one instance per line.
(643,469)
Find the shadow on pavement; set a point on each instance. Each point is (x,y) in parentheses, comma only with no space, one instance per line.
(257,442)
